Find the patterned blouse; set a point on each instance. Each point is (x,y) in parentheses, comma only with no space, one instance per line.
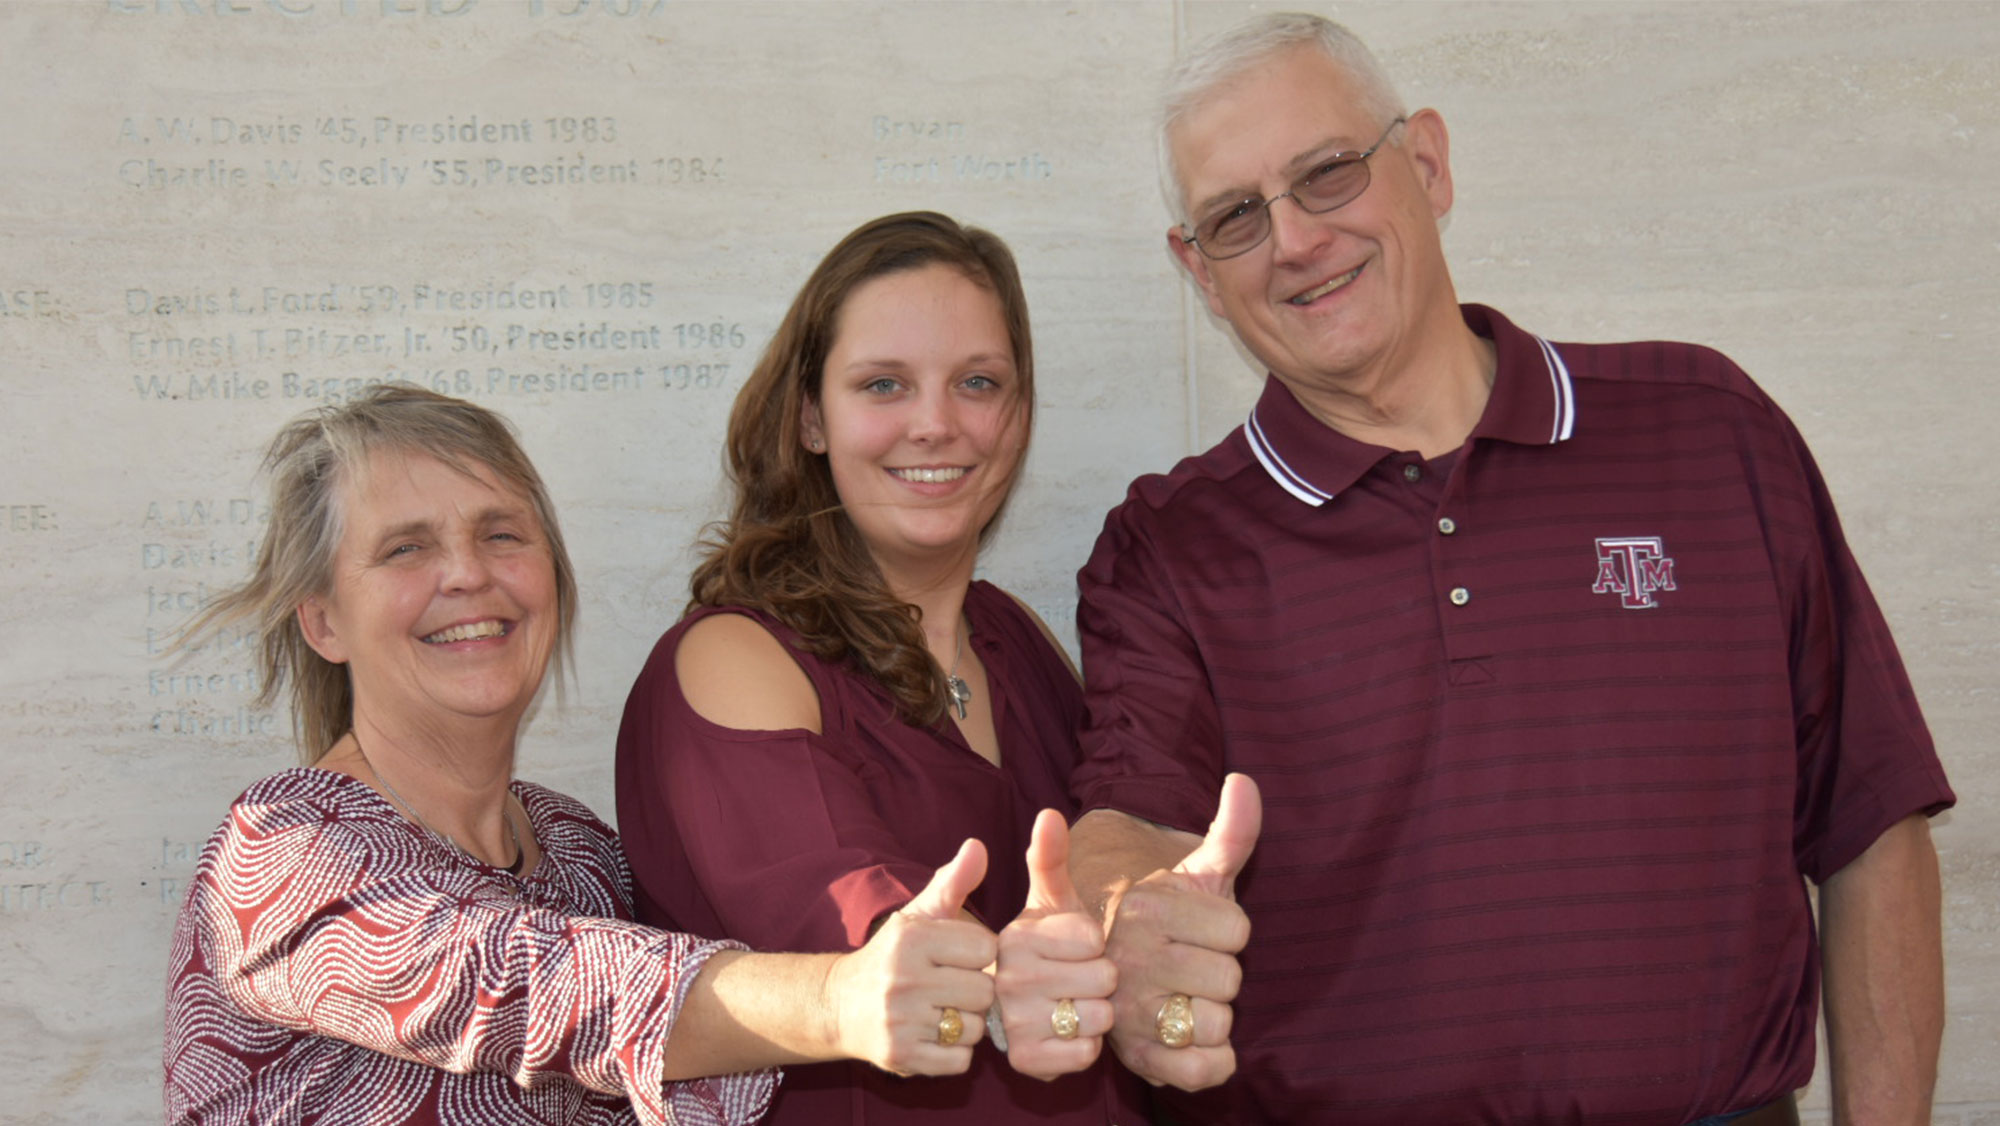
(334,963)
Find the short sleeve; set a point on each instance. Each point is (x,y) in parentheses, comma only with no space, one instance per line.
(1866,760)
(771,837)
(1152,738)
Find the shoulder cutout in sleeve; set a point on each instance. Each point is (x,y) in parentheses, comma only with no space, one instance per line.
(1054,643)
(734,673)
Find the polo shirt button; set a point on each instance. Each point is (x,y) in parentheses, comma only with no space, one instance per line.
(1446,525)
(1413,473)
(1460,596)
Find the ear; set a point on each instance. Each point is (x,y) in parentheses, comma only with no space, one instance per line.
(812,432)
(1429,146)
(1196,264)
(317,626)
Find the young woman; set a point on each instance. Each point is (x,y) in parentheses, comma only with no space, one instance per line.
(843,703)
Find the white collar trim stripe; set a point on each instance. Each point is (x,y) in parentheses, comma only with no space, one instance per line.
(1295,483)
(1283,474)
(1565,423)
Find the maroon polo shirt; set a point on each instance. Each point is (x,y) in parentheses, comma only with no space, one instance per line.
(1548,729)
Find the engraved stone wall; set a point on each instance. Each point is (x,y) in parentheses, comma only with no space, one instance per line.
(589,214)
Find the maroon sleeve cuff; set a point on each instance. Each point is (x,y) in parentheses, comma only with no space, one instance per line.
(865,896)
(1176,805)
(1919,789)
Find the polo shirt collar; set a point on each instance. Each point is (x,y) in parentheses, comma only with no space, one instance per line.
(1533,403)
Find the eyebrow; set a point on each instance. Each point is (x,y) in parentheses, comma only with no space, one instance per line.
(891,363)
(1292,170)
(874,363)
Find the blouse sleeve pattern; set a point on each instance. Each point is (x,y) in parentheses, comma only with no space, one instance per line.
(319,911)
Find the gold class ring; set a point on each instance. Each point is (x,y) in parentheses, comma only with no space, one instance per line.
(1175,1023)
(1063,1022)
(950,1027)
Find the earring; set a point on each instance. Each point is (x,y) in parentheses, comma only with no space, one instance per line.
(816,445)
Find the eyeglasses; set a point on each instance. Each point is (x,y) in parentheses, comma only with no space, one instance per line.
(1239,227)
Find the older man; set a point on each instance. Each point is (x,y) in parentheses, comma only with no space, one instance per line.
(1550,659)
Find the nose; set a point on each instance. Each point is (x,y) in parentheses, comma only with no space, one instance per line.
(1295,232)
(934,417)
(466,568)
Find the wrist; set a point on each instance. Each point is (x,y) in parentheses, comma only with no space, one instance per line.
(825,1026)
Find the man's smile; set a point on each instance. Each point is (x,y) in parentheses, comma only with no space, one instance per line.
(1325,287)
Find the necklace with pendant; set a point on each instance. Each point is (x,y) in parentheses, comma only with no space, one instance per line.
(520,854)
(961,692)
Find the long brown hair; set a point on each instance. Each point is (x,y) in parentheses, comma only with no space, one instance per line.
(309,463)
(788,548)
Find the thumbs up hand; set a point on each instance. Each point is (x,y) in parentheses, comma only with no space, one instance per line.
(1239,817)
(944,897)
(1177,932)
(1053,952)
(913,1000)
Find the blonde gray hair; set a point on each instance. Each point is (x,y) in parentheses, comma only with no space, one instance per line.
(309,463)
(1228,55)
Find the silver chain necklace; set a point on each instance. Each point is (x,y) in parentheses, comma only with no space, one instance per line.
(961,692)
(520,854)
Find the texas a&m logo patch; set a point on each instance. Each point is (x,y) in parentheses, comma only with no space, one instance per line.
(1635,568)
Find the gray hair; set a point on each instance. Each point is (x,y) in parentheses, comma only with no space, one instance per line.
(1226,56)
(308,464)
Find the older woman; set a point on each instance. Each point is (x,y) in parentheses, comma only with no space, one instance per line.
(401,932)
(843,702)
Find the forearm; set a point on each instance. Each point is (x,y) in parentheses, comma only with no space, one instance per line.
(882,1003)
(750,1011)
(1884,978)
(1109,849)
